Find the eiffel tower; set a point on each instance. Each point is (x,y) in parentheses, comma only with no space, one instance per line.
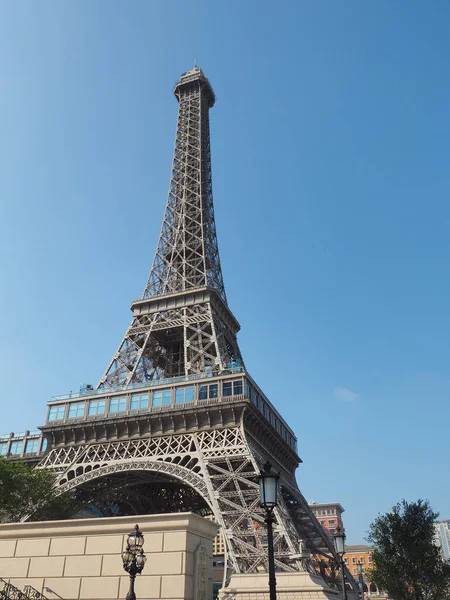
(177,423)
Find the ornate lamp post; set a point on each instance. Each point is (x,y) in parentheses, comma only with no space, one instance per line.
(133,558)
(361,579)
(268,490)
(339,542)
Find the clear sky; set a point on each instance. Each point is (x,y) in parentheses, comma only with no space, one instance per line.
(330,147)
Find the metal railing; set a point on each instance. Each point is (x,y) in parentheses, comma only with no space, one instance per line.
(145,384)
(8,591)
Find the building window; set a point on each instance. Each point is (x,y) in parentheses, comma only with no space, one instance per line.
(346,560)
(139,401)
(118,404)
(208,391)
(56,413)
(44,445)
(354,571)
(227,388)
(363,570)
(162,398)
(16,447)
(76,410)
(4,449)
(369,559)
(232,388)
(237,387)
(361,560)
(332,522)
(184,395)
(353,560)
(96,407)
(32,446)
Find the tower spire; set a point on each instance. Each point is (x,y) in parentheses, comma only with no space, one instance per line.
(182,325)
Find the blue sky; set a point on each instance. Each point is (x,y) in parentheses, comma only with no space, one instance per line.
(330,147)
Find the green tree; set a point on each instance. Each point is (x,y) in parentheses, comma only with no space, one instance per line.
(407,564)
(29,493)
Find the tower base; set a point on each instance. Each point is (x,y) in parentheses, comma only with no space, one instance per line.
(290,586)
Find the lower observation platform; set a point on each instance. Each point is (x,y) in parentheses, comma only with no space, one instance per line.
(148,409)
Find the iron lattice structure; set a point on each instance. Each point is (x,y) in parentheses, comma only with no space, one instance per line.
(185,336)
(205,452)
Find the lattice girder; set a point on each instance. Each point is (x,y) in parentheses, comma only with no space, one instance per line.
(222,467)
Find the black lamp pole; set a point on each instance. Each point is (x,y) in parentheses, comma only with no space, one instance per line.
(361,580)
(339,542)
(268,490)
(133,558)
(272,579)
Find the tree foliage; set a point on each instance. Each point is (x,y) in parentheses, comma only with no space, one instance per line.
(407,564)
(29,493)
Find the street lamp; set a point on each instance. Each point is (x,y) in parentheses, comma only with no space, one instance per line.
(361,579)
(268,489)
(133,558)
(339,543)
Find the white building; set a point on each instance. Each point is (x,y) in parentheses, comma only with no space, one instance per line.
(442,538)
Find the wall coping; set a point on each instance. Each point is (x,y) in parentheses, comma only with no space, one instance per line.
(187,521)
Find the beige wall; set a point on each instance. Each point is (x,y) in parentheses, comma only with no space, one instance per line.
(81,559)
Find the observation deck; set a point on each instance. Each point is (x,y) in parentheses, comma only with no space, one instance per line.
(178,404)
(152,408)
(193,77)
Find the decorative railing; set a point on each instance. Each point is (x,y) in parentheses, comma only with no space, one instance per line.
(32,593)
(8,591)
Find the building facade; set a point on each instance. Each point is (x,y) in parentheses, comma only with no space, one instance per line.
(329,516)
(442,538)
(362,555)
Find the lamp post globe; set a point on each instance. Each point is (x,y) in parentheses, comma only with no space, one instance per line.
(268,487)
(339,541)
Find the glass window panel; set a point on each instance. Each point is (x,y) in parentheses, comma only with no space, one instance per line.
(3,449)
(203,392)
(213,390)
(139,401)
(44,445)
(237,387)
(227,389)
(118,404)
(76,410)
(56,413)
(31,446)
(157,399)
(96,407)
(16,448)
(179,395)
(144,401)
(166,397)
(190,394)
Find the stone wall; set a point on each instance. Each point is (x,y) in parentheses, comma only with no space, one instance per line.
(81,559)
